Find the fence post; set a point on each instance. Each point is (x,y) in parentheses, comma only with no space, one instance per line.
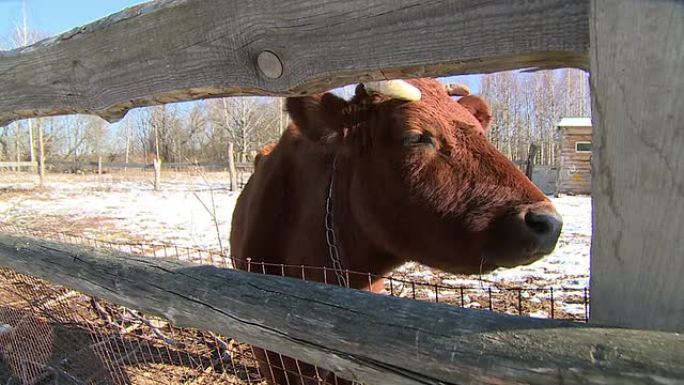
(17,149)
(531,154)
(157,173)
(637,79)
(231,167)
(99,166)
(41,157)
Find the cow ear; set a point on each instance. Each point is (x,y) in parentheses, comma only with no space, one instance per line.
(479,108)
(319,117)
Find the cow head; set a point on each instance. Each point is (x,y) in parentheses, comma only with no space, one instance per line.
(424,183)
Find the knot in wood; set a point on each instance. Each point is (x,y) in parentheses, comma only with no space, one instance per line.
(270,65)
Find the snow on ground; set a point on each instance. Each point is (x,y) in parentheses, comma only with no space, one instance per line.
(190,208)
(182,213)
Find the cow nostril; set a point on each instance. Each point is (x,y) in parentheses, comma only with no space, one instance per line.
(538,222)
(546,227)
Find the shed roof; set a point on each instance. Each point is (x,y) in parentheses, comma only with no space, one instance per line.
(575,122)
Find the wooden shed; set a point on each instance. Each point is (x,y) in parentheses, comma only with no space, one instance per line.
(574,174)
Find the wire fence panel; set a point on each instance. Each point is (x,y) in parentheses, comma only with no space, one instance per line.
(53,335)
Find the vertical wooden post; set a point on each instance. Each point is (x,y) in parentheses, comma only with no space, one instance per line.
(32,155)
(17,149)
(41,156)
(231,167)
(637,80)
(531,154)
(99,166)
(157,173)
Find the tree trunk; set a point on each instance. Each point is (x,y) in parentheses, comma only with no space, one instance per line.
(282,116)
(128,134)
(231,167)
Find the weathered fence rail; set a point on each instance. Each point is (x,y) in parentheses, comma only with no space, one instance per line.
(352,332)
(174,50)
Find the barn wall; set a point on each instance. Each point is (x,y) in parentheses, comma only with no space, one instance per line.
(574,176)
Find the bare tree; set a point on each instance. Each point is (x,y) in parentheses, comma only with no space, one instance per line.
(527,106)
(248,122)
(23,36)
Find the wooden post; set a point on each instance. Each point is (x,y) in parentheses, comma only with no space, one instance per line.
(637,80)
(41,156)
(32,155)
(157,173)
(17,149)
(531,154)
(231,167)
(99,166)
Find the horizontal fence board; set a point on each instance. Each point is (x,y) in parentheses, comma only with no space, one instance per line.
(174,50)
(363,336)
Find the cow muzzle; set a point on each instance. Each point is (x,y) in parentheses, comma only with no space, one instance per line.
(527,236)
(545,227)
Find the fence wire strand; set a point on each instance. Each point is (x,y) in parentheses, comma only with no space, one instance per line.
(53,335)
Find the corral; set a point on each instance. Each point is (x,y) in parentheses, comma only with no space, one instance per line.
(408,341)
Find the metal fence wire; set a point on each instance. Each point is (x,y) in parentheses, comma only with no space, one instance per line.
(53,335)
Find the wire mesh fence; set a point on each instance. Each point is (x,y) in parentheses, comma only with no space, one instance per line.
(50,334)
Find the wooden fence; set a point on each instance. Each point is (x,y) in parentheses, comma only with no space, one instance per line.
(370,338)
(216,48)
(213,48)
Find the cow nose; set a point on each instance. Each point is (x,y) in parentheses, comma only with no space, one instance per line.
(545,226)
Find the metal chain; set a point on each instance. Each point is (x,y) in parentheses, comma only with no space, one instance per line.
(330,237)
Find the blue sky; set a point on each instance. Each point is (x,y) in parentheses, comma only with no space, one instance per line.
(56,16)
(52,17)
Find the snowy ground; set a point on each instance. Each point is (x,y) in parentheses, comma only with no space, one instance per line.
(195,210)
(119,208)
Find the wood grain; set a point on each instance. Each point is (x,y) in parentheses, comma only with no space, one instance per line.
(173,50)
(368,337)
(637,83)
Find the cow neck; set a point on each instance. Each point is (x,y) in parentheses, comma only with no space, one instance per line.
(347,244)
(331,236)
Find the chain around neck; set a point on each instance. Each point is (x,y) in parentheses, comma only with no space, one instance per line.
(330,235)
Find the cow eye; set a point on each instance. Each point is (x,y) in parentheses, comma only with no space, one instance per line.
(413,138)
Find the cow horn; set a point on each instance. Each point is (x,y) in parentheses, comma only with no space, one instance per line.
(455,89)
(397,89)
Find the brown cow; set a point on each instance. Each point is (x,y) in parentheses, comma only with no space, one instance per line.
(412,179)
